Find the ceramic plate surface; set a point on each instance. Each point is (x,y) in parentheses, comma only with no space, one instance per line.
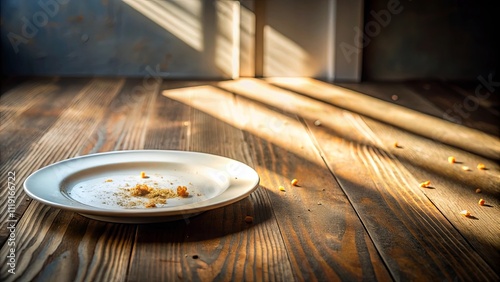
(109,186)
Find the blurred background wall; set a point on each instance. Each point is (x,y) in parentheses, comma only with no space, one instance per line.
(429,39)
(212,39)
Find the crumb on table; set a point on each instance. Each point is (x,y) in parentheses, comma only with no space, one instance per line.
(425,184)
(248,219)
(465,213)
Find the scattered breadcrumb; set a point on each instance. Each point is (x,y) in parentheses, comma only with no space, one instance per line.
(478,190)
(108,180)
(481,202)
(466,168)
(425,184)
(481,166)
(150,204)
(396,145)
(451,160)
(248,219)
(465,213)
(140,190)
(143,174)
(282,188)
(156,195)
(294,182)
(182,191)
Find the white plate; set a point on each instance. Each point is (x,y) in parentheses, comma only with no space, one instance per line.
(97,186)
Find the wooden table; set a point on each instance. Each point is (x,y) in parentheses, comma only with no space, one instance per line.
(357,214)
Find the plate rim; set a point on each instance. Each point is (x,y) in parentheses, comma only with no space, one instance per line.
(188,209)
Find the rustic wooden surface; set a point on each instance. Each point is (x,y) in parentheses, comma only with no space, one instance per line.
(358,213)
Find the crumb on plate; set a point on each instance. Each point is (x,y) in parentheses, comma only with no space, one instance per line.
(140,190)
(182,191)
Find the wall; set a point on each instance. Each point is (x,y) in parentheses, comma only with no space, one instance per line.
(432,39)
(175,38)
(179,38)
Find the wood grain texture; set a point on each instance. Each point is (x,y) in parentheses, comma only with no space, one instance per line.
(62,140)
(324,237)
(169,128)
(36,116)
(394,210)
(304,224)
(357,214)
(218,244)
(469,104)
(397,93)
(453,189)
(430,127)
(16,100)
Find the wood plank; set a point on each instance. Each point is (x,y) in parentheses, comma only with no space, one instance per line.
(170,126)
(397,93)
(124,125)
(35,117)
(15,101)
(323,234)
(218,244)
(460,104)
(324,241)
(454,102)
(455,188)
(481,105)
(61,141)
(430,127)
(98,247)
(407,229)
